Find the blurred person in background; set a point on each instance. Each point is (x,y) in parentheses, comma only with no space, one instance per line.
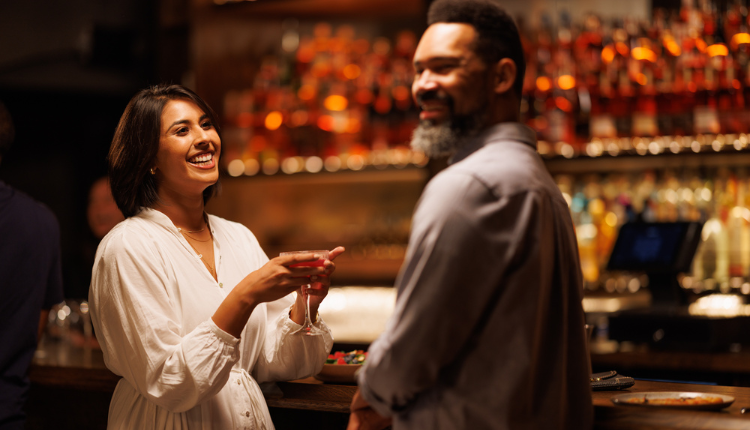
(187,307)
(488,328)
(102,214)
(30,284)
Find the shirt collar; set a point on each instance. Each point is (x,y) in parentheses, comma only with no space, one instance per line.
(503,131)
(163,220)
(157,217)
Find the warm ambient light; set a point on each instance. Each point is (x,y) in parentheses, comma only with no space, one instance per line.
(363,96)
(622,48)
(563,104)
(543,83)
(740,38)
(401,93)
(273,120)
(236,168)
(608,54)
(353,125)
(382,104)
(325,122)
(700,45)
(718,49)
(642,53)
(335,103)
(306,92)
(351,71)
(673,47)
(566,82)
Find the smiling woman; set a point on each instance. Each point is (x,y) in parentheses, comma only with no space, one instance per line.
(187,307)
(137,141)
(189,148)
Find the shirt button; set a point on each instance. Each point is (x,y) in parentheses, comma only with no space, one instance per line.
(221,285)
(238,382)
(247,414)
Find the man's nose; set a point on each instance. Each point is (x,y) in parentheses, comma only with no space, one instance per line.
(424,83)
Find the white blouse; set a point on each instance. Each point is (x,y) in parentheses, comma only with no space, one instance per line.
(151,303)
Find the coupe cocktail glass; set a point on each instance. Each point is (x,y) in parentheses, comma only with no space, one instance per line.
(308,328)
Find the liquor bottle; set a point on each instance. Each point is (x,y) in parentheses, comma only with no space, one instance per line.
(542,102)
(643,59)
(587,54)
(561,117)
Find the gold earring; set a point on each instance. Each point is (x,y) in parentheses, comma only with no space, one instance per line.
(153,172)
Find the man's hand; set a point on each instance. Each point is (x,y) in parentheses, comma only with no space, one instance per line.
(363,417)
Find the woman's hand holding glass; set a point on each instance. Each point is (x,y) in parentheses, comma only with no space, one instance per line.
(320,284)
(311,294)
(272,281)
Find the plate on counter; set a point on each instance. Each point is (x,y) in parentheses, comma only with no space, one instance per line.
(338,373)
(675,400)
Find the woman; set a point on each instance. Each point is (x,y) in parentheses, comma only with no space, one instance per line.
(187,307)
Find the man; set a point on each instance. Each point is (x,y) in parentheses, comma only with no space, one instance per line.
(488,328)
(30,283)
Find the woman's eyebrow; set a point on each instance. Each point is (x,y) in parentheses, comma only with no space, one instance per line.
(182,121)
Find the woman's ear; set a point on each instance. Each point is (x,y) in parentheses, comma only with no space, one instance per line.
(505,75)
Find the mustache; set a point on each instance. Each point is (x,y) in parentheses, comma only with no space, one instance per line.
(425,96)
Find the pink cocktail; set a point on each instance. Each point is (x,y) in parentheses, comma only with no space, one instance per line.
(308,328)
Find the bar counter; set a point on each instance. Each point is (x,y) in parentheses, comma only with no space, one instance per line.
(81,387)
(723,368)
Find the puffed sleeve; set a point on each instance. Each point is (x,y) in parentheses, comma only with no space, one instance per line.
(139,328)
(286,356)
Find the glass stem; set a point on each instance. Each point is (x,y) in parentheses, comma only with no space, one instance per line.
(308,320)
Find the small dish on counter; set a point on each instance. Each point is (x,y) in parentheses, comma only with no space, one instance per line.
(345,373)
(675,400)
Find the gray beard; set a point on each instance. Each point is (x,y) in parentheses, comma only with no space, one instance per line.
(440,140)
(435,140)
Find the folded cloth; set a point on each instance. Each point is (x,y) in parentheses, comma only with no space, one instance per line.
(610,381)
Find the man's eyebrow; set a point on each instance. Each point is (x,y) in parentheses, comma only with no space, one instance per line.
(438,60)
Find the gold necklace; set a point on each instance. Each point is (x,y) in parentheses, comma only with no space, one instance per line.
(205,262)
(205,220)
(185,233)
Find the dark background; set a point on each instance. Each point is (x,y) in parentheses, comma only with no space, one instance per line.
(67,71)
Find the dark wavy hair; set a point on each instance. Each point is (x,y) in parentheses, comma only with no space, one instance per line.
(136,143)
(498,35)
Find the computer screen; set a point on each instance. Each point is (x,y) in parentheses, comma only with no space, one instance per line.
(661,247)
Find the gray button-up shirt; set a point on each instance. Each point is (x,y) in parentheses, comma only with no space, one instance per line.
(487,332)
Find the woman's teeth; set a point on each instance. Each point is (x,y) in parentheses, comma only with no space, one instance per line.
(204,158)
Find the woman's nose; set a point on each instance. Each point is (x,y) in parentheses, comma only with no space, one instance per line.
(202,137)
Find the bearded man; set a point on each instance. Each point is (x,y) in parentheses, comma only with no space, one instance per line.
(488,328)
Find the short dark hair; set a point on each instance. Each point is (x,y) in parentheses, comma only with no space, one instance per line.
(136,143)
(498,35)
(7,131)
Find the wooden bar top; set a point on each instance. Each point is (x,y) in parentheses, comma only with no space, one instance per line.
(312,395)
(609,416)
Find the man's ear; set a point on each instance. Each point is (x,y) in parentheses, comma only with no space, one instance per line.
(505,75)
